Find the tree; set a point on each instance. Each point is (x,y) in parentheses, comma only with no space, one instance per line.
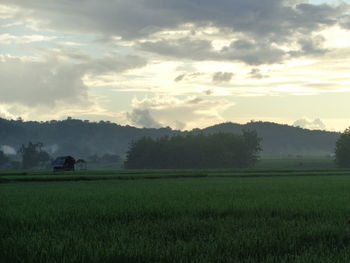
(251,148)
(201,151)
(3,158)
(342,149)
(33,155)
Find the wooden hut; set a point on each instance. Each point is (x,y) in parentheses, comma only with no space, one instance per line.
(81,165)
(63,163)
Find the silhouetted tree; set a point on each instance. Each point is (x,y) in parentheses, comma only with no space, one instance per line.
(342,149)
(219,150)
(33,155)
(3,158)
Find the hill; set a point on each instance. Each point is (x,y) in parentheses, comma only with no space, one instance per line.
(74,137)
(84,138)
(281,139)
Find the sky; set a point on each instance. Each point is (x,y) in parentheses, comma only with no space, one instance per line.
(184,64)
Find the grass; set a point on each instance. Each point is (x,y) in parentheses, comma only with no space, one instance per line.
(295,162)
(45,176)
(219,216)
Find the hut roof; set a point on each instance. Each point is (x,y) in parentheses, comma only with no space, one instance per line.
(63,160)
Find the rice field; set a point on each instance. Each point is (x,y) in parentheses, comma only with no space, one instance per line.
(176,216)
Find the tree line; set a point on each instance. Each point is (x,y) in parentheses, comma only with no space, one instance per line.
(85,138)
(33,155)
(342,150)
(220,150)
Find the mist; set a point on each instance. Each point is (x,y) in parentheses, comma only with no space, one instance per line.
(8,150)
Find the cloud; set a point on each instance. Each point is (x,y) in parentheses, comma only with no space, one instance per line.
(143,118)
(51,149)
(11,39)
(255,73)
(309,46)
(179,77)
(177,113)
(305,123)
(221,77)
(255,52)
(249,52)
(260,32)
(185,42)
(113,63)
(208,92)
(8,150)
(56,77)
(188,76)
(7,12)
(34,82)
(257,18)
(312,45)
(180,48)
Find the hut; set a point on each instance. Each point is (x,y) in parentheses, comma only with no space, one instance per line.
(81,165)
(63,163)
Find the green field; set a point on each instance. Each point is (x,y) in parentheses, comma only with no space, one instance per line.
(176,216)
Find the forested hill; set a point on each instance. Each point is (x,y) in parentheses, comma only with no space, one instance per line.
(83,138)
(75,137)
(281,139)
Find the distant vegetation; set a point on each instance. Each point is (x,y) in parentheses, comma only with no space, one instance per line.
(33,155)
(84,138)
(284,140)
(342,150)
(4,159)
(220,150)
(74,137)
